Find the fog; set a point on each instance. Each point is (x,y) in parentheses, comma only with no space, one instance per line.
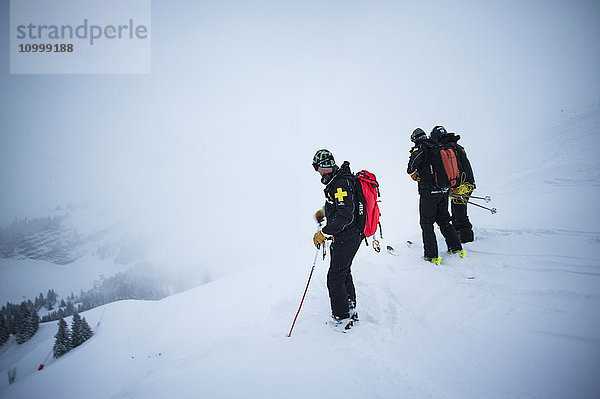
(210,154)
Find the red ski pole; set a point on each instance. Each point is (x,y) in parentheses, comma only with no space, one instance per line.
(305,290)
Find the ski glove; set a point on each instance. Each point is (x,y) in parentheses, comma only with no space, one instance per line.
(415,176)
(319,238)
(320,216)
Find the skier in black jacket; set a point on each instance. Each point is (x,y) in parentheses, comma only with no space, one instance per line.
(340,212)
(460,219)
(433,201)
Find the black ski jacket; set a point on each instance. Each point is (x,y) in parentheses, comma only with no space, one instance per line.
(451,139)
(420,160)
(340,204)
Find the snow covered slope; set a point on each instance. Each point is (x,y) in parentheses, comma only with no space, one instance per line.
(552,175)
(518,318)
(525,326)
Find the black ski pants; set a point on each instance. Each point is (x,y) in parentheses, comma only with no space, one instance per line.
(460,221)
(339,277)
(433,208)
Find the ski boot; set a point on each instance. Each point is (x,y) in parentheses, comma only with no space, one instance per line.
(352,310)
(341,325)
(461,252)
(435,261)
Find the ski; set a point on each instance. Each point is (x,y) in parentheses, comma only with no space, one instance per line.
(461,254)
(391,250)
(441,261)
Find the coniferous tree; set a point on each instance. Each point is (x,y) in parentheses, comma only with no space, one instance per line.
(35,321)
(39,301)
(86,331)
(17,317)
(70,309)
(29,322)
(4,335)
(51,299)
(10,318)
(62,344)
(80,330)
(76,331)
(19,314)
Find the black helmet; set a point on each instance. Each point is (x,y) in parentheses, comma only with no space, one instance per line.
(417,135)
(437,133)
(324,159)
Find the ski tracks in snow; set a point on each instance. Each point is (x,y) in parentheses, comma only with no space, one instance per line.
(534,299)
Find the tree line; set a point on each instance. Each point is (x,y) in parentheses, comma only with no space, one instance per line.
(20,320)
(23,321)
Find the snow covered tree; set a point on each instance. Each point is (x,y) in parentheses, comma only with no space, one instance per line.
(35,320)
(86,331)
(76,338)
(62,344)
(70,309)
(10,313)
(51,299)
(4,334)
(29,322)
(40,302)
(80,331)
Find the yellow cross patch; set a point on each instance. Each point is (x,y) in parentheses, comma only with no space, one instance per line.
(340,194)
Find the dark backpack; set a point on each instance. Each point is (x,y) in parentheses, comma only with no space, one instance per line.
(445,167)
(367,195)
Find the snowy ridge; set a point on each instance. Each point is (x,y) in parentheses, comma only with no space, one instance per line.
(41,239)
(64,238)
(562,151)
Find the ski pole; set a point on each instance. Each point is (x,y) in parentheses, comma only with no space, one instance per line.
(487,198)
(493,210)
(305,290)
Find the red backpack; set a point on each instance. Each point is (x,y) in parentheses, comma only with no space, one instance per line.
(446,168)
(367,194)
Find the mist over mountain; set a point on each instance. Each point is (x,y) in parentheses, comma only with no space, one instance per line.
(194,192)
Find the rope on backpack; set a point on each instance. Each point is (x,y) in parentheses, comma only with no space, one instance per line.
(463,191)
